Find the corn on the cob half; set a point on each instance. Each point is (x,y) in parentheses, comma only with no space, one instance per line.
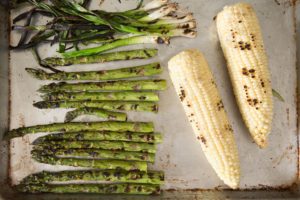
(242,44)
(195,85)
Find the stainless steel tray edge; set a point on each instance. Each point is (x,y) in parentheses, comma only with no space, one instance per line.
(8,193)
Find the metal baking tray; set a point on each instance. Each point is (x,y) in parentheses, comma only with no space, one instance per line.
(269,173)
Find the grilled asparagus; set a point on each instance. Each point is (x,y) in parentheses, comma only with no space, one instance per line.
(109,145)
(97,154)
(92,163)
(136,85)
(101,58)
(129,72)
(107,105)
(91,188)
(150,177)
(103,135)
(83,126)
(105,114)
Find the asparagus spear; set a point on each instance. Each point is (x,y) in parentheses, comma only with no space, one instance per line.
(144,127)
(108,145)
(103,135)
(136,85)
(123,188)
(110,96)
(107,105)
(116,116)
(101,58)
(129,72)
(150,177)
(92,163)
(97,154)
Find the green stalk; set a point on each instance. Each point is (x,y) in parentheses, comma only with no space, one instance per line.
(107,105)
(129,72)
(97,154)
(92,163)
(117,43)
(107,145)
(140,189)
(105,114)
(103,135)
(100,96)
(150,177)
(127,85)
(101,58)
(83,126)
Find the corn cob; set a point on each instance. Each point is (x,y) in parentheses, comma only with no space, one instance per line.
(243,47)
(200,98)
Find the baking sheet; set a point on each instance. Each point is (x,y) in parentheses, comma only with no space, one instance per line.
(180,155)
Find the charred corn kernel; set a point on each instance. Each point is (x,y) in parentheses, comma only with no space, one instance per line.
(242,44)
(195,85)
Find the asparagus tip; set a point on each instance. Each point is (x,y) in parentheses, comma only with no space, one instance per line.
(38,141)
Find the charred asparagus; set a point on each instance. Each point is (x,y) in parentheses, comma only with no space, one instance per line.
(108,145)
(100,96)
(101,58)
(103,135)
(83,126)
(136,85)
(124,188)
(110,115)
(107,105)
(97,154)
(129,72)
(92,163)
(150,177)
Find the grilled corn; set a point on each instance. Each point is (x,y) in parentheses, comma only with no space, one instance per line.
(242,44)
(196,88)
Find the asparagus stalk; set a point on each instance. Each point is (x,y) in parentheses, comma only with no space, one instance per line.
(100,96)
(109,115)
(92,163)
(117,43)
(124,188)
(144,127)
(97,154)
(101,58)
(103,135)
(135,85)
(150,177)
(108,145)
(129,72)
(107,105)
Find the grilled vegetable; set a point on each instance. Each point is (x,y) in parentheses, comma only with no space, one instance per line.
(97,154)
(150,177)
(103,135)
(101,58)
(107,105)
(196,88)
(100,96)
(117,43)
(121,188)
(110,115)
(135,85)
(92,163)
(243,47)
(144,127)
(109,145)
(129,72)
